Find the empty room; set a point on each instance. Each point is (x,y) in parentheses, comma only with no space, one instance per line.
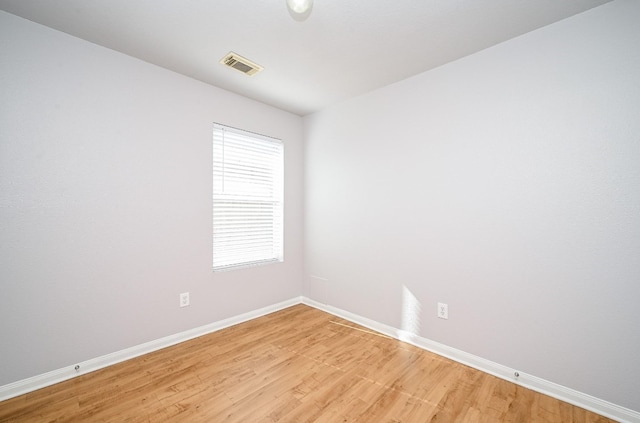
(320,211)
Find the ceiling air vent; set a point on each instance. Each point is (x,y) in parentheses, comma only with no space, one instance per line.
(241,64)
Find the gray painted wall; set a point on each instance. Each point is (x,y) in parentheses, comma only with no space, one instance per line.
(105,202)
(506,184)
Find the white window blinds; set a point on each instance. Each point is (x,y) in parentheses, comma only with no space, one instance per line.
(247,198)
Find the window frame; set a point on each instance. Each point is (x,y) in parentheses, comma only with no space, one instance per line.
(248,199)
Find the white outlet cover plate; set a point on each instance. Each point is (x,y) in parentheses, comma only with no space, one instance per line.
(443,310)
(184,299)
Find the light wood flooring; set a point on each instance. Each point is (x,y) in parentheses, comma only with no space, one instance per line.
(297,365)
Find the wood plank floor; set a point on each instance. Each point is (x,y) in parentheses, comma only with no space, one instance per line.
(297,365)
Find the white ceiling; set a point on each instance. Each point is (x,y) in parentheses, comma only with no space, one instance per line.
(344,49)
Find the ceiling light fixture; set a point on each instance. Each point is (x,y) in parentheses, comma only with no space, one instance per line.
(299,9)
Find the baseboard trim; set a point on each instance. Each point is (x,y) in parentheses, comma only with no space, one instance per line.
(50,378)
(588,402)
(571,396)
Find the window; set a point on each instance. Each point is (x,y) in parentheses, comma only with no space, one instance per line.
(247,198)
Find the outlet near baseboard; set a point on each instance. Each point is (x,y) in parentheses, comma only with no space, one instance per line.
(184,299)
(443,310)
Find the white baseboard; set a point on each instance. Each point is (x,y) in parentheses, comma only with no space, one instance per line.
(605,408)
(571,396)
(40,381)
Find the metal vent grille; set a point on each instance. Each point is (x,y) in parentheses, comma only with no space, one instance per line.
(241,64)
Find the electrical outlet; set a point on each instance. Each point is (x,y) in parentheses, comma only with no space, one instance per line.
(184,299)
(443,310)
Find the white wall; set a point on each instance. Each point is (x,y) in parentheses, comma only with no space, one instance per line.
(506,184)
(105,202)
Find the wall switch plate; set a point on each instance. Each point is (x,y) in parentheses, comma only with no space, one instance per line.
(443,310)
(184,299)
